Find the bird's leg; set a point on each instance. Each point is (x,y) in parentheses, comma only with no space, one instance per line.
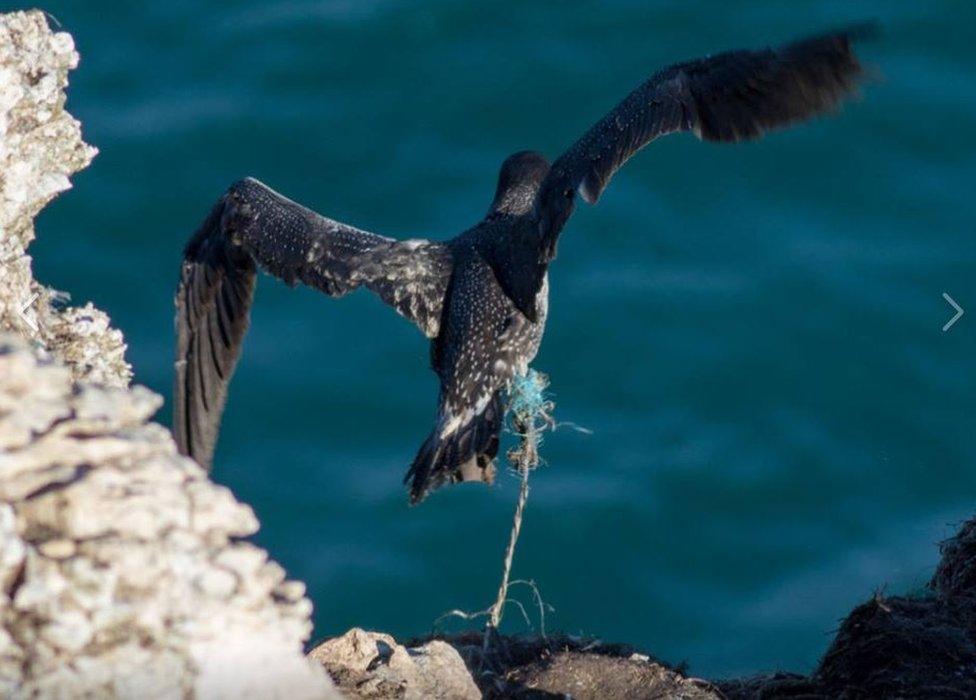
(478,468)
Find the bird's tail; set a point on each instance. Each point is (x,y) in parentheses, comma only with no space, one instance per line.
(465,453)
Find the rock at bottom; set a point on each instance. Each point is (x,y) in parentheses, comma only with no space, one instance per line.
(372,665)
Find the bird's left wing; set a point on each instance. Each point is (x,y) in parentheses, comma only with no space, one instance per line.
(730,96)
(252,227)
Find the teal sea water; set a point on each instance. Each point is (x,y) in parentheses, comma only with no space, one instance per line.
(751,332)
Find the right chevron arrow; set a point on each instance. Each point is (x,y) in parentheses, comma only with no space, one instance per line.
(954,305)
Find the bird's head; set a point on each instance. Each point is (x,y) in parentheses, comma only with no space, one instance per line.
(518,183)
(554,206)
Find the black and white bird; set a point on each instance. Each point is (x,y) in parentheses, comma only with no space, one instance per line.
(482,296)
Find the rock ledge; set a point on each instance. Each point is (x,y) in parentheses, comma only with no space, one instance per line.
(121,570)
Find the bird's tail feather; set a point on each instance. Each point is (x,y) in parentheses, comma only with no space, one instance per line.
(465,454)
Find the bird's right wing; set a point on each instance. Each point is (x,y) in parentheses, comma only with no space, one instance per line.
(731,96)
(252,227)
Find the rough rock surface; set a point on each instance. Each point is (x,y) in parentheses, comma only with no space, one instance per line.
(40,146)
(121,569)
(587,676)
(372,665)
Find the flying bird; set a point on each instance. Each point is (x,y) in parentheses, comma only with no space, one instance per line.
(482,296)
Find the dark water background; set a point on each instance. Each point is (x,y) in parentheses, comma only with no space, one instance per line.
(752,332)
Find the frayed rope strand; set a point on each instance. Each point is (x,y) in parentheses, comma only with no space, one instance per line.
(530,413)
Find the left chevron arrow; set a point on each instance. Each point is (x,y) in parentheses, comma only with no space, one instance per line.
(23,313)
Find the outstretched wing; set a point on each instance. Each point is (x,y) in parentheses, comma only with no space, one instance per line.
(252,226)
(731,96)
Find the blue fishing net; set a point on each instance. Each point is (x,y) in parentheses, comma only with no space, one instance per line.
(527,398)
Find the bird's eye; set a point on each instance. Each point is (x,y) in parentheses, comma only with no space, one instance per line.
(568,193)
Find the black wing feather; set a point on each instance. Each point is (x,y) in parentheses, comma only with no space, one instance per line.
(252,226)
(732,96)
(215,291)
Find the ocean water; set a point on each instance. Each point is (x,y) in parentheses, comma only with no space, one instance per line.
(752,333)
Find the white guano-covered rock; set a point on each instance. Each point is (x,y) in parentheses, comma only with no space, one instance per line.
(40,146)
(122,570)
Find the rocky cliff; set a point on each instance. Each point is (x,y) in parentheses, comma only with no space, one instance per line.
(121,569)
